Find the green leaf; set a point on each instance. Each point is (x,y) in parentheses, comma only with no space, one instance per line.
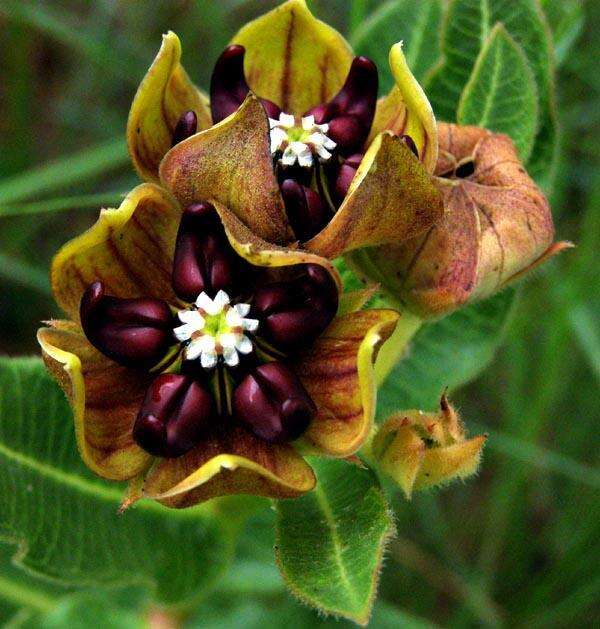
(566,19)
(84,610)
(65,520)
(446,354)
(416,23)
(329,543)
(76,202)
(501,94)
(466,28)
(82,166)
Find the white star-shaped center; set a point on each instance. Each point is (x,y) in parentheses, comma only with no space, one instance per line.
(299,142)
(215,328)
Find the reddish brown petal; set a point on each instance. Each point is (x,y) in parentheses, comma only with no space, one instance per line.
(129,249)
(105,398)
(231,163)
(337,371)
(235,462)
(390,199)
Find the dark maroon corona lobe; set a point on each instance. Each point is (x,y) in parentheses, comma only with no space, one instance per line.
(272,402)
(204,259)
(305,209)
(186,126)
(176,412)
(293,314)
(350,113)
(345,175)
(132,332)
(228,86)
(411,144)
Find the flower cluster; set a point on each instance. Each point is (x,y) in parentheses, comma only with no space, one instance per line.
(209,345)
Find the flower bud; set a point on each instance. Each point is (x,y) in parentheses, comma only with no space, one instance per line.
(228,87)
(293,314)
(174,415)
(132,332)
(497,225)
(186,126)
(204,260)
(420,450)
(305,209)
(272,402)
(350,113)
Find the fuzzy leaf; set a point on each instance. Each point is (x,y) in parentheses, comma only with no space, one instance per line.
(416,23)
(330,542)
(65,521)
(501,94)
(446,353)
(466,28)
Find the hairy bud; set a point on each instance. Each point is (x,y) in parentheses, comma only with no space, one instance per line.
(420,450)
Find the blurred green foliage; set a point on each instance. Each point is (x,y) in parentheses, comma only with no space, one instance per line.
(513,547)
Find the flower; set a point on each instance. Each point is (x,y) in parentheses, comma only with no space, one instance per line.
(201,360)
(497,226)
(420,450)
(321,160)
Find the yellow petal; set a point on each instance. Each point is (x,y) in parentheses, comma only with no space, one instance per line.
(235,462)
(164,94)
(130,249)
(391,199)
(105,398)
(406,110)
(231,163)
(337,371)
(442,465)
(294,59)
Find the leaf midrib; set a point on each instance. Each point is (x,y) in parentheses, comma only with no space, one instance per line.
(327,511)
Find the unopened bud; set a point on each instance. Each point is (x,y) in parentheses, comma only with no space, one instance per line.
(420,450)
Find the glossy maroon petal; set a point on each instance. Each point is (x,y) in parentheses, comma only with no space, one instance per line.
(272,402)
(345,175)
(293,314)
(350,113)
(204,260)
(132,332)
(305,209)
(228,86)
(176,412)
(186,126)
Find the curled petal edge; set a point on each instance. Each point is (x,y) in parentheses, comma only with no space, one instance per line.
(346,393)
(109,251)
(406,110)
(66,367)
(164,94)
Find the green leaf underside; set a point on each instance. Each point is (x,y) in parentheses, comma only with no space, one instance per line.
(417,24)
(65,520)
(446,354)
(329,543)
(467,26)
(501,94)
